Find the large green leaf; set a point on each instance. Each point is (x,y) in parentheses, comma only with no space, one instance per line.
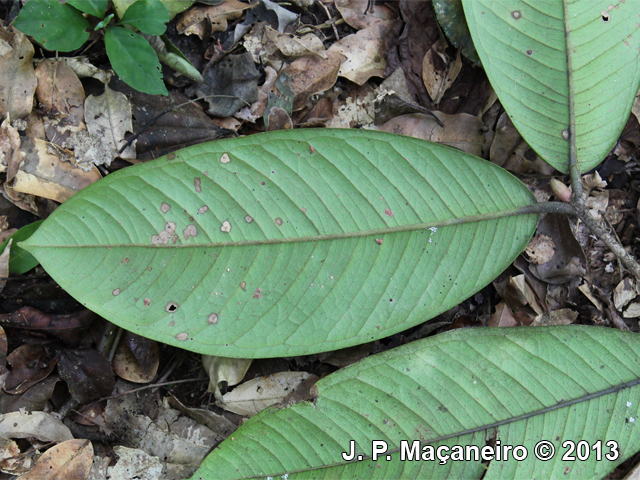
(560,66)
(286,243)
(55,25)
(21,261)
(524,385)
(148,16)
(96,8)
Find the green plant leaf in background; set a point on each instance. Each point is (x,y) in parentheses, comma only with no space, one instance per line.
(286,243)
(560,66)
(21,261)
(148,16)
(523,385)
(135,62)
(68,32)
(97,8)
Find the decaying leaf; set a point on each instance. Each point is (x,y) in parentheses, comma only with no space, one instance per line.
(60,92)
(438,70)
(461,131)
(363,51)
(30,364)
(136,359)
(87,373)
(51,172)
(43,426)
(221,369)
(4,265)
(624,292)
(312,74)
(259,393)
(564,316)
(503,317)
(135,463)
(12,461)
(17,77)
(356,14)
(292,46)
(197,20)
(70,460)
(10,156)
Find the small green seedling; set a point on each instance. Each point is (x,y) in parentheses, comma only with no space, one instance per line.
(64,27)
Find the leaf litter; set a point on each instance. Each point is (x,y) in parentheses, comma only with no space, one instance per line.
(338,65)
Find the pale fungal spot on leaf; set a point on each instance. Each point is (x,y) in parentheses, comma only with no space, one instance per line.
(243,285)
(146,302)
(248,219)
(196,183)
(388,212)
(171,156)
(125,261)
(516,14)
(303,210)
(225,158)
(257,293)
(311,149)
(190,231)
(116,292)
(433,230)
(182,336)
(164,236)
(226,226)
(379,241)
(202,209)
(213,318)
(165,207)
(171,307)
(565,134)
(278,221)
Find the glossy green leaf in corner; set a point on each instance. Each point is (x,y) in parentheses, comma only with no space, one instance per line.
(286,243)
(135,62)
(522,385)
(148,16)
(546,86)
(57,26)
(97,8)
(21,261)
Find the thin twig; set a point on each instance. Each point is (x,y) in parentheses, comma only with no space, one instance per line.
(153,385)
(333,24)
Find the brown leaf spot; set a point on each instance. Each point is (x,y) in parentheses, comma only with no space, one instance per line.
(243,285)
(278,221)
(182,336)
(196,183)
(116,292)
(379,241)
(171,156)
(213,318)
(165,207)
(257,293)
(190,231)
(311,149)
(516,14)
(248,219)
(225,158)
(529,52)
(171,307)
(164,236)
(146,302)
(226,226)
(303,210)
(388,212)
(124,261)
(202,209)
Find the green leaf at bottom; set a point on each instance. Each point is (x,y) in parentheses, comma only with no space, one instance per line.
(524,385)
(286,243)
(135,62)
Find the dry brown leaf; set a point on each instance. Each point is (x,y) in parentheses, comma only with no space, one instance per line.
(362,51)
(564,316)
(292,46)
(503,317)
(278,119)
(70,460)
(17,77)
(4,265)
(311,75)
(540,249)
(136,359)
(439,71)
(40,425)
(59,91)
(461,131)
(586,290)
(12,461)
(259,393)
(624,292)
(194,21)
(353,12)
(50,172)
(10,155)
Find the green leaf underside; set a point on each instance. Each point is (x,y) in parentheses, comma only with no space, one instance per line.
(21,261)
(148,16)
(458,388)
(307,273)
(96,8)
(135,62)
(56,26)
(522,46)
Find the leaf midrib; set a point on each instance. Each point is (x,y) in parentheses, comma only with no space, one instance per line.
(314,238)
